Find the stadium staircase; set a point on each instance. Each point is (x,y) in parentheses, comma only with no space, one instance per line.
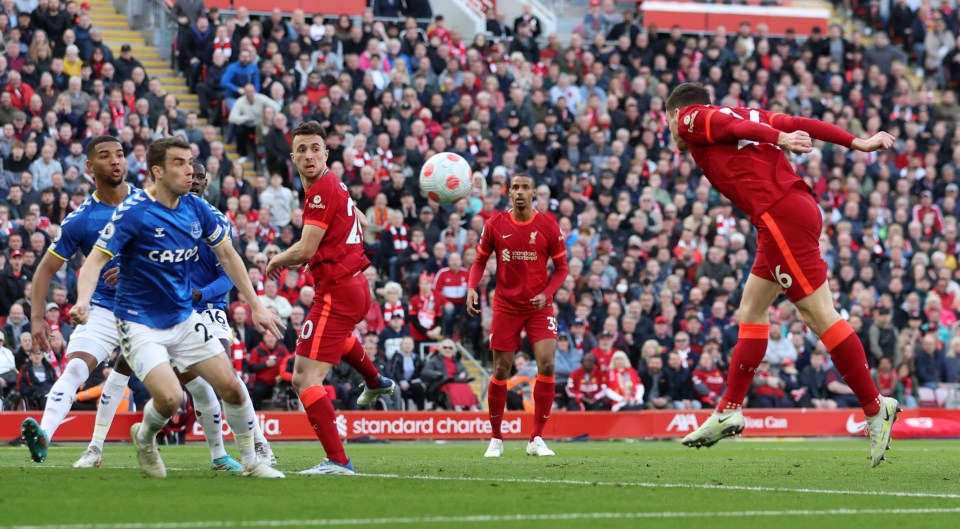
(116,32)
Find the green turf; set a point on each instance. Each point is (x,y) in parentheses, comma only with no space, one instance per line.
(589,485)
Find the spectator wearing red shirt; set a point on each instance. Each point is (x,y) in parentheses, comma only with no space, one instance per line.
(603,352)
(587,387)
(624,388)
(264,363)
(450,291)
(425,313)
(708,381)
(20,92)
(768,389)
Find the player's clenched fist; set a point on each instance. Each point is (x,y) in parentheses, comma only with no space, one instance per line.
(79,314)
(797,142)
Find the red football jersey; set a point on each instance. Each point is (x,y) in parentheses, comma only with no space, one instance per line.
(340,255)
(521,251)
(451,286)
(753,175)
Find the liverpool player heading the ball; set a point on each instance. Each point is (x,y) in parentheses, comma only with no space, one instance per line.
(741,152)
(522,240)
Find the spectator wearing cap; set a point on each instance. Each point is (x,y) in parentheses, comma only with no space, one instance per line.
(13,279)
(662,333)
(580,339)
(126,63)
(52,316)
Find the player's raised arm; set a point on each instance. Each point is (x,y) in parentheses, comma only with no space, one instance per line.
(830,133)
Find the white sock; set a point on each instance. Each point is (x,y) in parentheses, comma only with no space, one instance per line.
(60,398)
(110,400)
(152,423)
(241,420)
(258,433)
(208,411)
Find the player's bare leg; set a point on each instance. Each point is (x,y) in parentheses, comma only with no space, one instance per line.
(543,392)
(166,397)
(238,409)
(848,356)
(308,375)
(113,390)
(497,400)
(727,419)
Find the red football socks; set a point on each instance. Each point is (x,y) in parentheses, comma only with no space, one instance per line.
(356,357)
(324,421)
(543,392)
(848,355)
(747,355)
(496,402)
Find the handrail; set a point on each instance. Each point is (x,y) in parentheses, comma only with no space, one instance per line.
(466,358)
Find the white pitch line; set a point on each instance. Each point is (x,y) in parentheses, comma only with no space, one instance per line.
(704,486)
(642,485)
(213,524)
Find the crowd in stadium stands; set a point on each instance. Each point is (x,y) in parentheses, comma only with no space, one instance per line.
(657,259)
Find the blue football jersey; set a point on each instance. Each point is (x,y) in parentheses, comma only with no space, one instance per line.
(158,248)
(208,276)
(80,231)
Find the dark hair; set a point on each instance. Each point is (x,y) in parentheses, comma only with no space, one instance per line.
(199,168)
(687,94)
(157,153)
(92,146)
(309,128)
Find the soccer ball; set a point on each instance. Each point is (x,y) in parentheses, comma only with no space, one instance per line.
(446,178)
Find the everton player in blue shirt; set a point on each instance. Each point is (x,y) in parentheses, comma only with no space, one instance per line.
(94,341)
(157,233)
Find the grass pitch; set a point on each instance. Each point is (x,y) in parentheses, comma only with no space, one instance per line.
(801,484)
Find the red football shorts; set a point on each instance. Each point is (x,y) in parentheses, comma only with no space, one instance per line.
(332,318)
(788,245)
(505,328)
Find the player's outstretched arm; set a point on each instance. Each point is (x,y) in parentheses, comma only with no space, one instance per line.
(265,320)
(879,141)
(827,132)
(87,283)
(300,252)
(38,300)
